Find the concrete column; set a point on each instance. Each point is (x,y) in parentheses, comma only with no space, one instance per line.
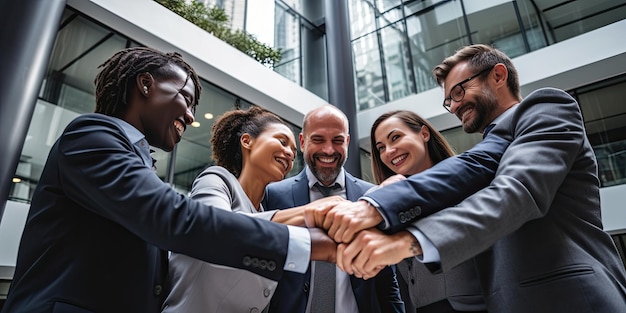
(27,36)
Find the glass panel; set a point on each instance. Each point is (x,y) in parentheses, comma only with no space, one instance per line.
(434,35)
(397,61)
(495,23)
(366,166)
(534,25)
(605,124)
(287,38)
(369,81)
(193,153)
(314,66)
(81,46)
(361,18)
(390,17)
(290,70)
(384,5)
(459,140)
(46,126)
(571,18)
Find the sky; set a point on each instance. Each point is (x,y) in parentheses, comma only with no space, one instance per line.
(260,20)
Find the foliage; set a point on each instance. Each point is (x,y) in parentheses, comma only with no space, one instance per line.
(215,21)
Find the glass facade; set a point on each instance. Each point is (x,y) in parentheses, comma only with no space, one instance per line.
(68,90)
(396,44)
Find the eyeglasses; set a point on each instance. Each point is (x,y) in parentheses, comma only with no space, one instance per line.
(458,92)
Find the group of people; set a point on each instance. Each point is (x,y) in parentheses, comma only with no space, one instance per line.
(511,225)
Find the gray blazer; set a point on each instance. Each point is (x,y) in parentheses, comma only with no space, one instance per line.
(198,286)
(535,232)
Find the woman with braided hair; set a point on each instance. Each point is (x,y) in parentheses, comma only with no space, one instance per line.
(101,220)
(251,149)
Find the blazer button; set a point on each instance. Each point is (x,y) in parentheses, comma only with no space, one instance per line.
(306,287)
(157,290)
(271,266)
(266,292)
(254,310)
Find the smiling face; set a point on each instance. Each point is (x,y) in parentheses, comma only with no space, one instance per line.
(324,144)
(477,107)
(401,149)
(167,108)
(271,153)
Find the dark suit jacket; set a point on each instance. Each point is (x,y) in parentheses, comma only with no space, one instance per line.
(100,220)
(538,223)
(380,294)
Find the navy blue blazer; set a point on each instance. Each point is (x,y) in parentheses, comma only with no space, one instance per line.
(377,295)
(100,221)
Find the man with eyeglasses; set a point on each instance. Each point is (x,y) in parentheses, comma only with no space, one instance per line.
(534,233)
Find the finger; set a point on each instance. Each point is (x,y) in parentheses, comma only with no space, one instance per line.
(340,249)
(349,230)
(376,271)
(309,218)
(320,215)
(349,254)
(335,218)
(329,218)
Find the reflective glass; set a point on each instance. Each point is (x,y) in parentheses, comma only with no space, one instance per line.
(571,18)
(390,17)
(367,66)
(385,5)
(361,18)
(495,23)
(605,123)
(397,61)
(428,47)
(287,38)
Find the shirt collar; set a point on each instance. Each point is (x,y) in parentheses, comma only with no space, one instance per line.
(341,178)
(504,114)
(137,138)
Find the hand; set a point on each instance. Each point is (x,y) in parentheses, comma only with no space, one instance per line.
(295,216)
(315,212)
(347,218)
(372,250)
(392,179)
(323,248)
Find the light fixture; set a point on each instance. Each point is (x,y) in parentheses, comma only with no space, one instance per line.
(195,124)
(208,116)
(16,180)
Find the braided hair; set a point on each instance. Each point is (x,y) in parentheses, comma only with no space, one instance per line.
(228,130)
(118,74)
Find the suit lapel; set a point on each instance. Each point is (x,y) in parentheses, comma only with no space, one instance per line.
(300,190)
(352,192)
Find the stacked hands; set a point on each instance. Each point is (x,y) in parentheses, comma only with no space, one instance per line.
(345,233)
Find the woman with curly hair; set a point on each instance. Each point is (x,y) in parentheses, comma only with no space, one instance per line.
(251,149)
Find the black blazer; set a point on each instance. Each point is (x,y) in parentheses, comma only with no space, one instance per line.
(100,221)
(377,295)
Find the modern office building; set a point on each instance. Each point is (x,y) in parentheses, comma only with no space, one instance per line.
(574,45)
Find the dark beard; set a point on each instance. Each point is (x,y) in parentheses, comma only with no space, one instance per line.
(484,105)
(325,174)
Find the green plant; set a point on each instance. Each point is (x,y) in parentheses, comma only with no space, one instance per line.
(214,20)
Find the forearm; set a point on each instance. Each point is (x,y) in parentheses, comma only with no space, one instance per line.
(293,216)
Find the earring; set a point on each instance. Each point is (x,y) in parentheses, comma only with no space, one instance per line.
(145,89)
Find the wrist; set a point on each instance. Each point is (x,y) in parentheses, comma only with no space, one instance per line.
(374,213)
(412,246)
